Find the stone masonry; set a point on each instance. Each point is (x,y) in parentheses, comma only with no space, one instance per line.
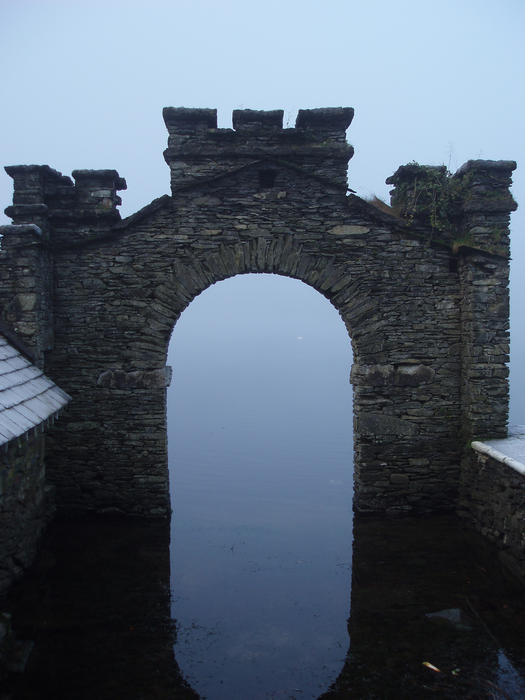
(26,504)
(492,496)
(422,288)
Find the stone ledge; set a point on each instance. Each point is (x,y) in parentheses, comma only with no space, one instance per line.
(409,373)
(381,426)
(22,230)
(507,451)
(137,379)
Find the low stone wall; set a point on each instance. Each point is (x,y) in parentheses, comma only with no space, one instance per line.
(25,504)
(492,499)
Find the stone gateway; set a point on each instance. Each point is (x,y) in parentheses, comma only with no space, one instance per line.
(421,286)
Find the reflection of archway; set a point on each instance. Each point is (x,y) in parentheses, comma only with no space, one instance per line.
(110,578)
(276,526)
(425,592)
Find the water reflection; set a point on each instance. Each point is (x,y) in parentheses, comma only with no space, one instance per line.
(261,577)
(427,593)
(97,607)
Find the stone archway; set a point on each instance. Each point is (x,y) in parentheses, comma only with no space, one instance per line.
(427,313)
(129,389)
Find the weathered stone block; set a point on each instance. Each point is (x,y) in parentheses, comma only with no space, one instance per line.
(349,230)
(381,426)
(399,479)
(26,302)
(136,379)
(413,375)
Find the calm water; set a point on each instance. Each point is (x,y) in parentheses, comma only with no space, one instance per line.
(261,561)
(262,587)
(97,608)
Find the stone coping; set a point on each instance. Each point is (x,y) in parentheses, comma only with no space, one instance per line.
(509,451)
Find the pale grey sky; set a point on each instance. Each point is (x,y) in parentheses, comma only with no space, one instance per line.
(84,84)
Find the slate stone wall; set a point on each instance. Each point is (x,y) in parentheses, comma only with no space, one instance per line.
(426,315)
(471,212)
(26,279)
(492,499)
(26,504)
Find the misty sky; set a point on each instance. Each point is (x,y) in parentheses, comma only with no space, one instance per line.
(83,86)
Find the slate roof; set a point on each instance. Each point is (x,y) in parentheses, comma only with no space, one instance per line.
(27,397)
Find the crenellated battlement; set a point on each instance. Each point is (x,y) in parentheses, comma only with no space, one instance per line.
(41,193)
(198,149)
(470,207)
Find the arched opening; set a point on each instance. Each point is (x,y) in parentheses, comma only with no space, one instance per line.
(260,453)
